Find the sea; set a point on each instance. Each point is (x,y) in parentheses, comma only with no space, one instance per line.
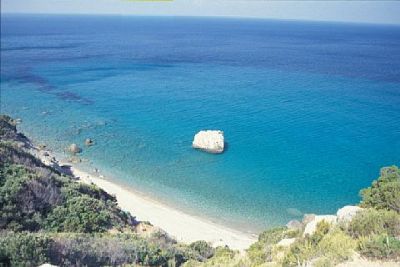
(310,110)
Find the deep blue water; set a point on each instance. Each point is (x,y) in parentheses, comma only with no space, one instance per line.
(310,111)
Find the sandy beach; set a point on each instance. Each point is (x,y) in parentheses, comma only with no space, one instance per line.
(184,227)
(178,224)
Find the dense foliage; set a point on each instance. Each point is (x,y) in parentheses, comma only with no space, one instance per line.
(30,249)
(23,249)
(381,247)
(375,222)
(34,197)
(384,193)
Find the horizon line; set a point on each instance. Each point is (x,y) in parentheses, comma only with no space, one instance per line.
(200,16)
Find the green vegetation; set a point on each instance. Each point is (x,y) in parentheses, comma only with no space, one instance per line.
(262,250)
(375,222)
(381,247)
(374,233)
(327,246)
(384,193)
(223,257)
(34,197)
(202,250)
(30,249)
(80,214)
(23,249)
(46,216)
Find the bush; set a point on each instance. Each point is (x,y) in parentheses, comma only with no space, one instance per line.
(36,197)
(223,257)
(384,193)
(321,230)
(258,253)
(261,251)
(106,249)
(381,247)
(24,198)
(375,222)
(326,246)
(33,249)
(80,214)
(301,252)
(24,249)
(337,247)
(203,249)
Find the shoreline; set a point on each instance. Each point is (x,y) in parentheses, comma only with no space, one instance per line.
(180,225)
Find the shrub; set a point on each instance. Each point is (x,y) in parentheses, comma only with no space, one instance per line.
(203,249)
(301,252)
(374,222)
(28,197)
(274,235)
(12,154)
(33,249)
(384,193)
(321,230)
(380,247)
(24,249)
(261,251)
(326,246)
(100,250)
(36,197)
(258,253)
(337,246)
(80,214)
(17,209)
(223,257)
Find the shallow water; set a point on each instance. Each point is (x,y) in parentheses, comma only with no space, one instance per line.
(310,111)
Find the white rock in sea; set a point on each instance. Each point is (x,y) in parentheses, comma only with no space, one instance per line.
(211,141)
(347,213)
(74,148)
(312,225)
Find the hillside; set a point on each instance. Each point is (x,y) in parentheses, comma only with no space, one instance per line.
(47,216)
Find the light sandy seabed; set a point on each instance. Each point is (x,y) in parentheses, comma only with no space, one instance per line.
(178,224)
(182,226)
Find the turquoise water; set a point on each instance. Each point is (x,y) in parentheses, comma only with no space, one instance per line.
(310,111)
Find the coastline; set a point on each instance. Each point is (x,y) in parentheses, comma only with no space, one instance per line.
(341,236)
(182,226)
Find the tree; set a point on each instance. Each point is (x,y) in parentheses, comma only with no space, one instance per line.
(384,193)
